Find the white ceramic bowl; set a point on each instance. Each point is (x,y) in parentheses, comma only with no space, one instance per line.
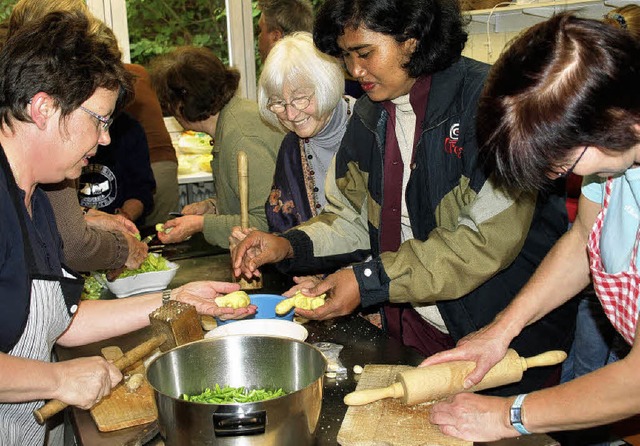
(265,327)
(144,282)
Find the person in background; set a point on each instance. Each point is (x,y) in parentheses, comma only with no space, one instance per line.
(46,135)
(448,249)
(102,241)
(119,179)
(578,93)
(195,87)
(146,109)
(279,18)
(625,17)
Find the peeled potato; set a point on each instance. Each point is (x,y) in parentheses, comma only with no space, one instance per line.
(237,299)
(160,228)
(134,382)
(284,306)
(299,300)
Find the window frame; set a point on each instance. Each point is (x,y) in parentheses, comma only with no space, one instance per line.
(239,27)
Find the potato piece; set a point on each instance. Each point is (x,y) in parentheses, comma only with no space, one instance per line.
(299,300)
(160,228)
(308,302)
(134,382)
(284,306)
(237,299)
(316,302)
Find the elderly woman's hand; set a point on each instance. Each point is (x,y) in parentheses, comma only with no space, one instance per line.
(109,222)
(207,206)
(202,296)
(138,252)
(181,228)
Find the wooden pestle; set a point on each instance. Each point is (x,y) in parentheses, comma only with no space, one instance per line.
(243,190)
(423,384)
(174,323)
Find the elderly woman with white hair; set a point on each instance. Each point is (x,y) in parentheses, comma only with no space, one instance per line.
(301,90)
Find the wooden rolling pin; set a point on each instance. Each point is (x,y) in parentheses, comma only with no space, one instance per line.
(438,381)
(243,190)
(134,355)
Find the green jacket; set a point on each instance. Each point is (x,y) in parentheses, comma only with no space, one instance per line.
(239,128)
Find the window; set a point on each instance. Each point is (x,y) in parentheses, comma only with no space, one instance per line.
(147,28)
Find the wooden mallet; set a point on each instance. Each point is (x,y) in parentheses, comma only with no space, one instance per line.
(173,324)
(243,189)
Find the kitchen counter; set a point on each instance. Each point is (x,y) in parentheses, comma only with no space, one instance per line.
(363,344)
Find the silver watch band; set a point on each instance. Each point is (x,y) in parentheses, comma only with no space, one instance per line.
(515,415)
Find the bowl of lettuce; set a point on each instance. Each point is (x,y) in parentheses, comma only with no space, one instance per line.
(154,274)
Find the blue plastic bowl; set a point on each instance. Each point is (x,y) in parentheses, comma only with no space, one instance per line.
(266,304)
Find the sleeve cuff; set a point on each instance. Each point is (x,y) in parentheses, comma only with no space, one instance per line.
(372,281)
(302,250)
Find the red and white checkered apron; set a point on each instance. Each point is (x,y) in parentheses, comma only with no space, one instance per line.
(619,292)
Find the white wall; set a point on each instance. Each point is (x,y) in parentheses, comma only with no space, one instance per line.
(491,29)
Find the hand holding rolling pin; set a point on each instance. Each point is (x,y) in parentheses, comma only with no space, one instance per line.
(423,384)
(485,347)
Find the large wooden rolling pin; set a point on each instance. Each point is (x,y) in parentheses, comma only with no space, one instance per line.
(134,355)
(438,381)
(243,191)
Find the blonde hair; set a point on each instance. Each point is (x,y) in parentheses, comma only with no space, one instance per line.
(26,11)
(626,17)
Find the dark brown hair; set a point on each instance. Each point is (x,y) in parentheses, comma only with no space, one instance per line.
(66,55)
(192,83)
(437,25)
(562,84)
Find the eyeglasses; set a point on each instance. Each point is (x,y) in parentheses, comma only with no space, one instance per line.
(106,122)
(567,172)
(298,103)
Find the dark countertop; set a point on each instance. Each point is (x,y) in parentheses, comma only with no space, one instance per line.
(363,344)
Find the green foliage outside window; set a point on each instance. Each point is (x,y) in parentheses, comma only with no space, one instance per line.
(158,26)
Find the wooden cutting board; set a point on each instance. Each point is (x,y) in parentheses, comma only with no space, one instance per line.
(389,422)
(125,408)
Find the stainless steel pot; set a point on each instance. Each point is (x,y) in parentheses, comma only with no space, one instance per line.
(242,360)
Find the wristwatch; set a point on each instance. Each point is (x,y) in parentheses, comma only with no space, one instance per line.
(515,415)
(166,296)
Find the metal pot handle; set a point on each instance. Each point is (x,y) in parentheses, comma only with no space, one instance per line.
(237,424)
